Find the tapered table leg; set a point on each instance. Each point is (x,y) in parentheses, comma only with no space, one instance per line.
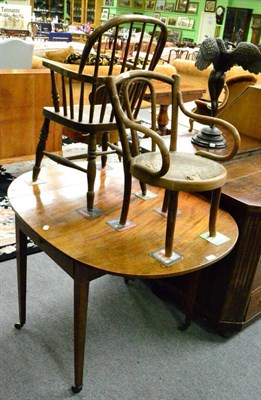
(21,255)
(81,291)
(191,296)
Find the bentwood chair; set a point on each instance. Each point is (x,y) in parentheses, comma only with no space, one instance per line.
(165,168)
(80,102)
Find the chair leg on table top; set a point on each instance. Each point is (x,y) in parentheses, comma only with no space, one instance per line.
(165,204)
(215,199)
(171,220)
(91,171)
(105,139)
(40,149)
(127,196)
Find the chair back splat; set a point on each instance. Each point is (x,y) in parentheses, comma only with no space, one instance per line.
(165,167)
(80,100)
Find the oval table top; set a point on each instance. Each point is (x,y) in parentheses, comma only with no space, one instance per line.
(53,209)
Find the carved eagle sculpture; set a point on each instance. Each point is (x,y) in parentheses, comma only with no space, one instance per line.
(215,51)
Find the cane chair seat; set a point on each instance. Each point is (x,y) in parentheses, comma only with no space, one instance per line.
(187,172)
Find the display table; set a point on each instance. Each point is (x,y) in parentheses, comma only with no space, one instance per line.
(52,214)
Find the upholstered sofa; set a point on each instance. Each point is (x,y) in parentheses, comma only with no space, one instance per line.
(187,70)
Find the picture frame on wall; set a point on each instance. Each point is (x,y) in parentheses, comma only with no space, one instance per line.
(169,7)
(160,5)
(210,6)
(149,5)
(172,21)
(105,14)
(108,3)
(123,3)
(138,4)
(156,15)
(176,35)
(164,20)
(181,6)
(182,22)
(193,7)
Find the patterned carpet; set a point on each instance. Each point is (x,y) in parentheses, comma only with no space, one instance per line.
(8,173)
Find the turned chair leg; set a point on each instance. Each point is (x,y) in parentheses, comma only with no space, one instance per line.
(215,199)
(91,171)
(171,221)
(105,139)
(40,149)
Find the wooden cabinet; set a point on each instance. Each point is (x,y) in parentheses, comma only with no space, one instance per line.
(21,121)
(237,24)
(75,11)
(256,29)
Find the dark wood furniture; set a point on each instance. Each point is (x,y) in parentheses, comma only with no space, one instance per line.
(8,32)
(91,116)
(256,29)
(34,87)
(237,24)
(53,215)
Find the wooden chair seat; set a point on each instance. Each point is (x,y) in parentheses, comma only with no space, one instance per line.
(186,173)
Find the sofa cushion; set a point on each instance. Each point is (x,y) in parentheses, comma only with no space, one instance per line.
(59,55)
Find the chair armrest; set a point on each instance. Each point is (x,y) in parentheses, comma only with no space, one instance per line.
(208,120)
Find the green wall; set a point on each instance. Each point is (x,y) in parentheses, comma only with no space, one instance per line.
(116,9)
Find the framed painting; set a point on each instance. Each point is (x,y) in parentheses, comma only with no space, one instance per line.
(164,20)
(182,22)
(172,21)
(193,8)
(105,14)
(210,6)
(156,15)
(176,35)
(108,3)
(160,5)
(123,3)
(169,7)
(138,4)
(149,4)
(181,6)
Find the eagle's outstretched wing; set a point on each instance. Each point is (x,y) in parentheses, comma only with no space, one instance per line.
(247,56)
(208,52)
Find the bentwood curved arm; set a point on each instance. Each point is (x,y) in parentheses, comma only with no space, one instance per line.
(207,120)
(124,122)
